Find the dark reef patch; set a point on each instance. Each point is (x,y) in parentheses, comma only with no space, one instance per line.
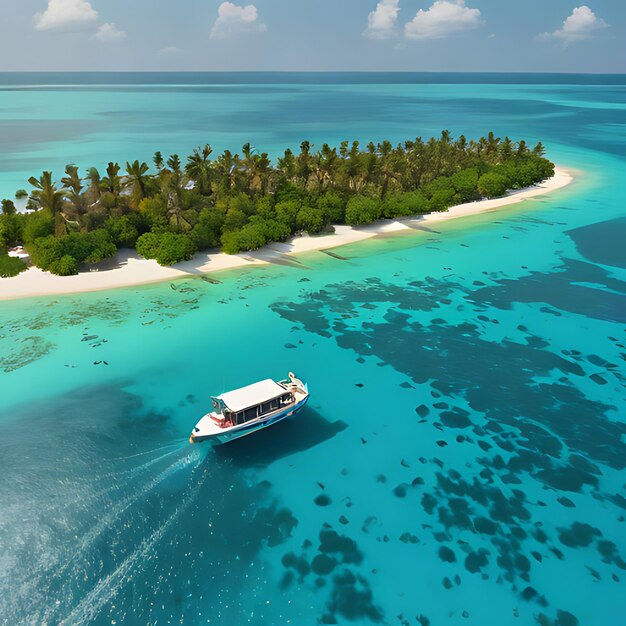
(602,242)
(563,290)
(527,417)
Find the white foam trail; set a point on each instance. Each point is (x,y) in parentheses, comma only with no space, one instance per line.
(34,582)
(132,472)
(107,520)
(91,604)
(177,442)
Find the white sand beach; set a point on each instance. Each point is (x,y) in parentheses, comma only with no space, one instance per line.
(130,269)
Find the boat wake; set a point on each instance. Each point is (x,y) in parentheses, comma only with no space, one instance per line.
(51,562)
(106,589)
(107,522)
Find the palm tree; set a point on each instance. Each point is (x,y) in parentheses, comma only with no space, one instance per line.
(386,172)
(328,164)
(46,196)
(225,167)
(522,149)
(198,168)
(371,163)
(415,163)
(539,150)
(491,148)
(249,163)
(72,180)
(112,182)
(157,159)
(264,172)
(175,175)
(303,162)
(95,182)
(172,187)
(174,163)
(74,185)
(175,213)
(354,168)
(287,165)
(506,149)
(171,181)
(137,179)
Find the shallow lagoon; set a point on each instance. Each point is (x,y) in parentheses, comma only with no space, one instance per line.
(462,457)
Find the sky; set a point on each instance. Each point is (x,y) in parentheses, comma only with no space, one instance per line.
(314,35)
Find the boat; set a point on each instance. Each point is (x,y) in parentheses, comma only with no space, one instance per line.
(244,411)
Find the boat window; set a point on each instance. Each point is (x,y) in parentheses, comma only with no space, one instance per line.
(267,407)
(250,414)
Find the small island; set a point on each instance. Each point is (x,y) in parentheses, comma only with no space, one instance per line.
(242,202)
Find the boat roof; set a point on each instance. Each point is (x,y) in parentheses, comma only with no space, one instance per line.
(257,393)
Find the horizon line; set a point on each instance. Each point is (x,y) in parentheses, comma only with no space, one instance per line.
(502,72)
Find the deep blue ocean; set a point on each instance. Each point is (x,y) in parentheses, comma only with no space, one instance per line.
(462,459)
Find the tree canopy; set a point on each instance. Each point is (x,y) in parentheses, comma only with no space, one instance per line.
(242,201)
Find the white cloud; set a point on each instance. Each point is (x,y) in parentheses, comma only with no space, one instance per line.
(169,51)
(64,12)
(381,22)
(443,18)
(233,19)
(581,24)
(109,32)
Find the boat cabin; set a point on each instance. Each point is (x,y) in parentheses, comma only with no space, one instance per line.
(251,402)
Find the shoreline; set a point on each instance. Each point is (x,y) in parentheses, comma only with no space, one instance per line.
(132,270)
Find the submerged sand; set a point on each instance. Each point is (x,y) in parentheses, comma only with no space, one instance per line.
(129,269)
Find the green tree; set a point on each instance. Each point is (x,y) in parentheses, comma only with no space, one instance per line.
(73,184)
(10,266)
(235,219)
(122,231)
(37,225)
(287,165)
(8,208)
(287,212)
(207,231)
(65,266)
(465,184)
(198,169)
(157,159)
(137,179)
(310,219)
(441,192)
(405,204)
(95,183)
(112,182)
(46,196)
(492,185)
(155,210)
(333,206)
(225,168)
(362,210)
(166,248)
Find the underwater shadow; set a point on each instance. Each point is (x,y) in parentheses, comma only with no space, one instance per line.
(303,432)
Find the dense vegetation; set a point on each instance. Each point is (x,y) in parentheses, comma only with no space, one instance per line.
(242,201)
(10,266)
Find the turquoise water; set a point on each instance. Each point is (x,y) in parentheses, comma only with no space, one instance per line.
(462,457)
